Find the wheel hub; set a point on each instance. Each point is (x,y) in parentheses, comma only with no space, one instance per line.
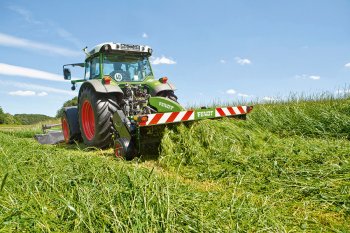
(65,129)
(88,120)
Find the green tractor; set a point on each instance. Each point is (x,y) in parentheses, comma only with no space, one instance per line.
(120,103)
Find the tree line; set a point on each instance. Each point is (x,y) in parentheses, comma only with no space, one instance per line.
(28,119)
(21,119)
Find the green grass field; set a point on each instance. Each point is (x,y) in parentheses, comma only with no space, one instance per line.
(285,169)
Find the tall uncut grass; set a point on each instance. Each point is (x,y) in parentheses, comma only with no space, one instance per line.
(294,157)
(285,169)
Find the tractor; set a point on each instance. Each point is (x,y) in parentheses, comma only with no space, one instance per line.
(121,103)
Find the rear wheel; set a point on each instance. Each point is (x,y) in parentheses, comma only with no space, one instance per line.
(95,117)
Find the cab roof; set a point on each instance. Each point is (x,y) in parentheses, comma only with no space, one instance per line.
(111,47)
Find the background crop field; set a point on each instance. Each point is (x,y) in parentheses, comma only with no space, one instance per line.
(285,169)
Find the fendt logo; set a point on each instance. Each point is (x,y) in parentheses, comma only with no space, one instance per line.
(168,106)
(205,114)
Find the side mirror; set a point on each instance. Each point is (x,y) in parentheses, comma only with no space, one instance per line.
(67,74)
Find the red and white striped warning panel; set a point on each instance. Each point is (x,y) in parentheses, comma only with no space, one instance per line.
(168,117)
(230,111)
(173,117)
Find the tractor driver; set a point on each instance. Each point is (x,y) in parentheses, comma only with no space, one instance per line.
(119,74)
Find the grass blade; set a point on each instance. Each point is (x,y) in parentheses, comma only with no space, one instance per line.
(3,181)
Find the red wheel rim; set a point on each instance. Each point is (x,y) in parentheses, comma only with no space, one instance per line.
(88,120)
(65,129)
(118,150)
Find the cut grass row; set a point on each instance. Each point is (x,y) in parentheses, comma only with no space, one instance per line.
(54,189)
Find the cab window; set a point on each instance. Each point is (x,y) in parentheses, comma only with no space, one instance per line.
(87,70)
(123,68)
(95,68)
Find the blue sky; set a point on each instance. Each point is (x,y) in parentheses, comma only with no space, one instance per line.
(211,50)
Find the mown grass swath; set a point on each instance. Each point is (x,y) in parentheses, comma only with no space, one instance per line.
(287,168)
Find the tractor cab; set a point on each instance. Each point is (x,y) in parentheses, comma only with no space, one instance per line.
(112,67)
(121,62)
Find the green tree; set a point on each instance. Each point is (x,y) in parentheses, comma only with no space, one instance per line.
(10,120)
(28,119)
(2,116)
(7,118)
(72,102)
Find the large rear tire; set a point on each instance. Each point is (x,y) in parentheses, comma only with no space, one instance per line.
(96,117)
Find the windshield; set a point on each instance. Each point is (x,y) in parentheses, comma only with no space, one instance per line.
(124,68)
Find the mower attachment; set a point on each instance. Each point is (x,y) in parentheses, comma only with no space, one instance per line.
(191,115)
(143,133)
(51,137)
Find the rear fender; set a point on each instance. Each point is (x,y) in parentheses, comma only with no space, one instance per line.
(99,87)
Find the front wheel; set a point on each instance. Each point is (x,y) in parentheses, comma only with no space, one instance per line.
(125,148)
(95,117)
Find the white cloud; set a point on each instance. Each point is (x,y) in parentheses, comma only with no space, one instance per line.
(144,35)
(234,92)
(11,41)
(42,89)
(269,98)
(64,34)
(26,14)
(43,93)
(305,76)
(22,93)
(243,61)
(28,93)
(230,92)
(162,60)
(28,17)
(244,95)
(347,65)
(223,61)
(11,70)
(314,77)
(302,76)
